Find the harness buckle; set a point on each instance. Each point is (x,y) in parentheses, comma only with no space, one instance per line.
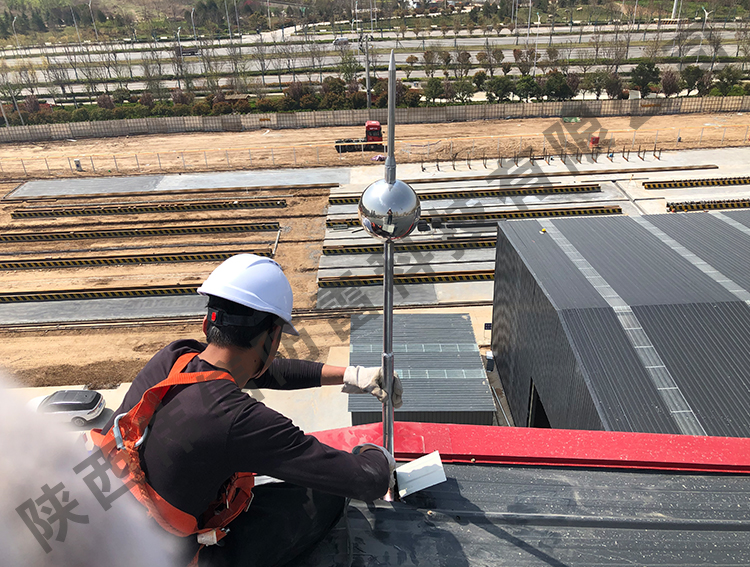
(118,434)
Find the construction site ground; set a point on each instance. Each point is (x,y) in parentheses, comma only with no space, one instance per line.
(107,356)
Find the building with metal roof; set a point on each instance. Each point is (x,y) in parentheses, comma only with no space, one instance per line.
(634,324)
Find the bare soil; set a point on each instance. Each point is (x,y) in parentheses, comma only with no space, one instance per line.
(212,151)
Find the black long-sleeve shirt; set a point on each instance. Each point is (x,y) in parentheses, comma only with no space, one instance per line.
(204,433)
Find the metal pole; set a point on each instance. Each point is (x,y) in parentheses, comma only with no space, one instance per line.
(390,160)
(388,416)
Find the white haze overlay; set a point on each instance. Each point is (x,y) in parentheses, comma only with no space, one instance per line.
(35,452)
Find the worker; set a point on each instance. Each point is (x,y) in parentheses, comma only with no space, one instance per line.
(192,448)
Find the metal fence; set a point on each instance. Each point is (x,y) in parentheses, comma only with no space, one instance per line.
(292,120)
(585,139)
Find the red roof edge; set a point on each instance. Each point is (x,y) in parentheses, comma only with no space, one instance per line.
(553,447)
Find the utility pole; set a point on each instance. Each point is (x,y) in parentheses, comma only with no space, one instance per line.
(192,19)
(536,43)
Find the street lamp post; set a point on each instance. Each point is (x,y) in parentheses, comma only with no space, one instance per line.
(536,43)
(182,61)
(18,46)
(93,21)
(192,19)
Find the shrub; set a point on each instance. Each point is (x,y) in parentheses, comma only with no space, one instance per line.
(266,105)
(97,113)
(220,108)
(147,99)
(736,90)
(287,104)
(412,98)
(310,102)
(61,116)
(242,106)
(121,95)
(201,109)
(15,119)
(80,115)
(181,97)
(31,104)
(358,100)
(181,110)
(105,101)
(162,109)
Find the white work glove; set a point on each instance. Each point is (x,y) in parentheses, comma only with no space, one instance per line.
(391,461)
(361,380)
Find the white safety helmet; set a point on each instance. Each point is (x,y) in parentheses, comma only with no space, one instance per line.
(255,282)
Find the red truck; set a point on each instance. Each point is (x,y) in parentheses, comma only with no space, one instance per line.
(372,142)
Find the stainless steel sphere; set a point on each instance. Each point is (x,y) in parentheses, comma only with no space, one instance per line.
(389,211)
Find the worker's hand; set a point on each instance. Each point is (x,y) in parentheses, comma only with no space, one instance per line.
(361,380)
(391,461)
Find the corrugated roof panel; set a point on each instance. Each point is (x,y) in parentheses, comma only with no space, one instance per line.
(712,240)
(707,349)
(623,392)
(638,266)
(536,516)
(560,279)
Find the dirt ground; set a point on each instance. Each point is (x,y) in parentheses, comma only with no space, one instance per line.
(415,143)
(105,357)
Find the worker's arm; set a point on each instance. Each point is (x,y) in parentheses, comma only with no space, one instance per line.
(291,374)
(266,442)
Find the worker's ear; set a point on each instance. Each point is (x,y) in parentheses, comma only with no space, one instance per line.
(205,325)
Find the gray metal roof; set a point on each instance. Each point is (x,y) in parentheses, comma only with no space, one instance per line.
(437,358)
(489,515)
(655,313)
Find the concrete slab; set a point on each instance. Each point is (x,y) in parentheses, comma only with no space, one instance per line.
(179,182)
(430,258)
(416,268)
(101,309)
(372,296)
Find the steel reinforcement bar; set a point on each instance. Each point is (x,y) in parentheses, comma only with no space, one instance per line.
(500,192)
(680,184)
(708,205)
(401,279)
(457,244)
(40,263)
(144,209)
(137,232)
(526,214)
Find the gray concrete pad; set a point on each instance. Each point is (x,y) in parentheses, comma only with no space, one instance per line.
(428,258)
(179,182)
(101,309)
(372,296)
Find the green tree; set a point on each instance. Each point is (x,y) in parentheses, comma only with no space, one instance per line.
(433,89)
(349,67)
(595,82)
(691,75)
(499,88)
(464,90)
(480,77)
(556,87)
(527,88)
(643,75)
(613,85)
(411,62)
(727,77)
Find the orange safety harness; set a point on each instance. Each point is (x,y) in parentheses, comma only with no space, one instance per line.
(120,447)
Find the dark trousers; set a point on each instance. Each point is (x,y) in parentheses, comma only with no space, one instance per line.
(282,523)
